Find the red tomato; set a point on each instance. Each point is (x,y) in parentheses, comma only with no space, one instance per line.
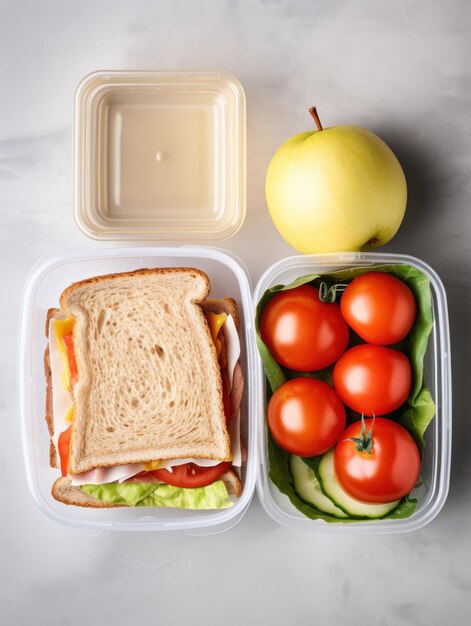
(379,307)
(373,380)
(302,332)
(388,472)
(192,475)
(69,347)
(305,416)
(63,444)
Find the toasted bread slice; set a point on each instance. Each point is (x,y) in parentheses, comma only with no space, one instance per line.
(227,306)
(65,492)
(104,312)
(149,385)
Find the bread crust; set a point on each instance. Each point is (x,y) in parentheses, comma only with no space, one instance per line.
(49,412)
(146,270)
(63,491)
(233,483)
(51,313)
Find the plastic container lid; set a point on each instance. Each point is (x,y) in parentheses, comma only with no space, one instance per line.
(47,280)
(160,155)
(435,470)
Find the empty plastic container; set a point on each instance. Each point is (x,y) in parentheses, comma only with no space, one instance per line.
(159,155)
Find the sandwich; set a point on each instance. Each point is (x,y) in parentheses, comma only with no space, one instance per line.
(143,392)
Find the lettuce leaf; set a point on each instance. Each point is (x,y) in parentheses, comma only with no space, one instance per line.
(120,493)
(415,415)
(212,496)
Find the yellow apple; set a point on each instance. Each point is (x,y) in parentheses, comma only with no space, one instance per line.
(336,189)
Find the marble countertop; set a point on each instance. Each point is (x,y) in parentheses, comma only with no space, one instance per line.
(400,69)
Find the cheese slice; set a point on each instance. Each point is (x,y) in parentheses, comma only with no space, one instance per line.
(61,328)
(215,322)
(62,404)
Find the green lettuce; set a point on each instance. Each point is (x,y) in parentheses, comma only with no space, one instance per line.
(212,496)
(415,415)
(280,474)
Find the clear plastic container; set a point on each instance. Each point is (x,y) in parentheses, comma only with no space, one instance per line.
(160,155)
(47,280)
(435,472)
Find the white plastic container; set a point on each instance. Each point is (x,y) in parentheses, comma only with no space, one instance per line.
(159,155)
(46,281)
(435,472)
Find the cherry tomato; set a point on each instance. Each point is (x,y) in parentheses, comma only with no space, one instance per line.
(63,445)
(301,332)
(192,475)
(388,472)
(305,416)
(379,307)
(372,380)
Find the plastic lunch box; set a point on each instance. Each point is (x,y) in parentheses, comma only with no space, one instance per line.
(189,126)
(45,284)
(435,471)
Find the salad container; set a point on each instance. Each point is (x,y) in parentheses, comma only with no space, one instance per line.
(435,469)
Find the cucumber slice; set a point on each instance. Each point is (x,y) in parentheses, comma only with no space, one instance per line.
(307,487)
(332,489)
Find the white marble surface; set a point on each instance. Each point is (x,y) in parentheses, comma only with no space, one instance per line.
(400,68)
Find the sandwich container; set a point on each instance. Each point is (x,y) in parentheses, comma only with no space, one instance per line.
(160,160)
(48,279)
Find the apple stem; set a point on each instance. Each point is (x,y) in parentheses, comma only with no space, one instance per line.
(315,117)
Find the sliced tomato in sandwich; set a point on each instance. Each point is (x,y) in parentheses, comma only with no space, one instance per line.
(192,475)
(64,449)
(68,340)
